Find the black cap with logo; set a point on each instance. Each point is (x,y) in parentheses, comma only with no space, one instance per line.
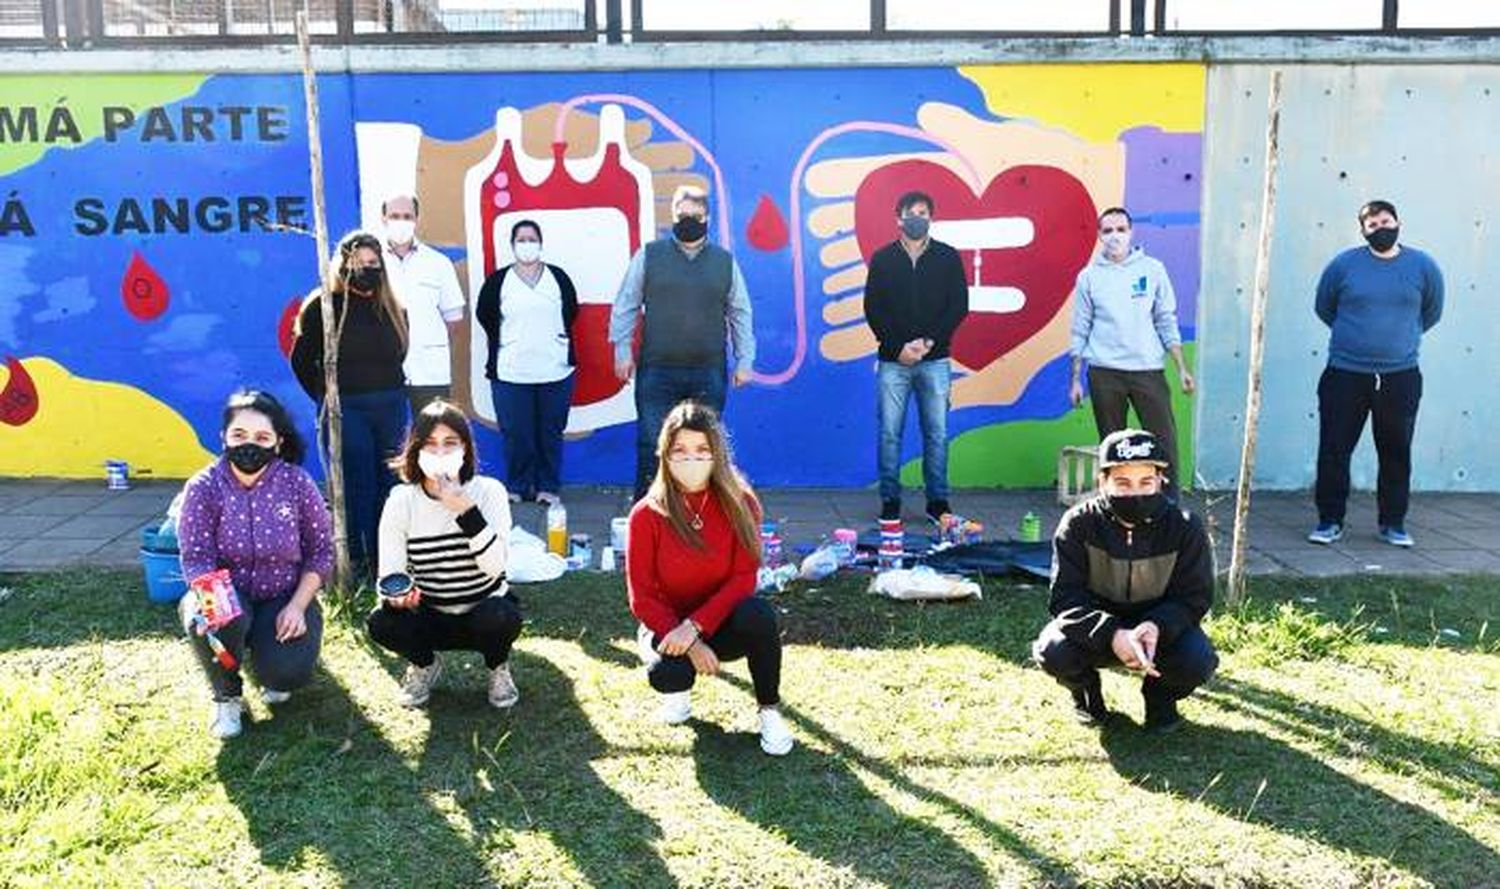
(1130,446)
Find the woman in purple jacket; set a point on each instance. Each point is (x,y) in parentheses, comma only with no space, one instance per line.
(256,512)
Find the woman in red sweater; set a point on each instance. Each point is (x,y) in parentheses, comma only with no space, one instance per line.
(694,550)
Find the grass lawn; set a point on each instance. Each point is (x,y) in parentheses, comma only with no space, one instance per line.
(1352,738)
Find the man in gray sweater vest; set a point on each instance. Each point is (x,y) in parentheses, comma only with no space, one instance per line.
(1124,325)
(693,298)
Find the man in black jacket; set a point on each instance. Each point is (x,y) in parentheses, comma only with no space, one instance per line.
(915,297)
(1132,578)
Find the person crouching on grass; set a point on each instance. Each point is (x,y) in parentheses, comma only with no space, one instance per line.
(1132,578)
(693,554)
(446,530)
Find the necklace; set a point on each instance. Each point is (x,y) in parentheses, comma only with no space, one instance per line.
(697,521)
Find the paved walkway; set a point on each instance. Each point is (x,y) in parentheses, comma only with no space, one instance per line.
(48,524)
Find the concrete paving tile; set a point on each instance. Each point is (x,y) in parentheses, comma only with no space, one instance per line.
(140,507)
(1317,562)
(34,555)
(102,528)
(20,526)
(1483,538)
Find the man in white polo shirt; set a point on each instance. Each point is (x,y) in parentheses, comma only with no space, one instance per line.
(427,285)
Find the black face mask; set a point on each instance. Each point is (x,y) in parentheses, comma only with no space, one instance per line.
(1135,510)
(689,229)
(365,280)
(249,457)
(1382,239)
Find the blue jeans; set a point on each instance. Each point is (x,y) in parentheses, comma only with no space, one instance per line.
(374,425)
(532,417)
(657,391)
(895,383)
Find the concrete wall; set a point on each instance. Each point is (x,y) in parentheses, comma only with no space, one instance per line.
(123,341)
(1421,136)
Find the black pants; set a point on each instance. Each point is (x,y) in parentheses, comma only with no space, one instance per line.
(280,666)
(1112,392)
(1184,665)
(1345,399)
(752,631)
(490,628)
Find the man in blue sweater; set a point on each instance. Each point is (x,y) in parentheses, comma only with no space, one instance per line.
(1124,326)
(1377,301)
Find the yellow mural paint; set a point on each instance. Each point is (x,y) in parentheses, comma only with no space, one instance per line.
(80,423)
(1096,102)
(68,110)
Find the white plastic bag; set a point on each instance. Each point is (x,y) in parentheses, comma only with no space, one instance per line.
(820,563)
(923,583)
(529,560)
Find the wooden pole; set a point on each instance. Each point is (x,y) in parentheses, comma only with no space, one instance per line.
(1237,572)
(330,433)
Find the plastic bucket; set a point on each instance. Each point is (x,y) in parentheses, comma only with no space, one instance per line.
(164,581)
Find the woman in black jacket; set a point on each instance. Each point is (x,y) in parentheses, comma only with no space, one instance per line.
(372,385)
(527,309)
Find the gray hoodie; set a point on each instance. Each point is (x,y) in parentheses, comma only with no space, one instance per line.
(1124,313)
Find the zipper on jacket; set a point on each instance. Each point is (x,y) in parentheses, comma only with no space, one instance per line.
(1129,560)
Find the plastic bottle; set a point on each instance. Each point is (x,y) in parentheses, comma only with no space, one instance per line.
(557,529)
(770,545)
(1031,528)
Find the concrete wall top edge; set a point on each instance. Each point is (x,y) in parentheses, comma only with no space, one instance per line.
(474,56)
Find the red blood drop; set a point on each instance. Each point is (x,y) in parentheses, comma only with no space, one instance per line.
(285,326)
(767,229)
(18,402)
(144,292)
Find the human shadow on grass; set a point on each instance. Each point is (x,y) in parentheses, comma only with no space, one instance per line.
(1256,779)
(538,762)
(1458,772)
(818,805)
(319,782)
(735,773)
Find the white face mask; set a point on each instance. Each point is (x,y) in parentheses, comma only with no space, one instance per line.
(692,473)
(527,251)
(435,465)
(1116,244)
(400,231)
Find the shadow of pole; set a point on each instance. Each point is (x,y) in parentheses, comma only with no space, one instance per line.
(1462,774)
(1258,780)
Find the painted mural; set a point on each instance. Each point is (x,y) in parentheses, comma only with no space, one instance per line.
(154,239)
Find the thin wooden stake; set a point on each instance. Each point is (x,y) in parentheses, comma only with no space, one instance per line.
(1237,570)
(330,419)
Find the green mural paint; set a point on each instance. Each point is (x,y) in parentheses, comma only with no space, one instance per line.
(30,104)
(1023,454)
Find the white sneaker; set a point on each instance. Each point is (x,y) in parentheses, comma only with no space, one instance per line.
(503,691)
(273,696)
(226,720)
(676,707)
(416,685)
(775,736)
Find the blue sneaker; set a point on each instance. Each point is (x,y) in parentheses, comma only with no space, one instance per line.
(1326,532)
(1396,535)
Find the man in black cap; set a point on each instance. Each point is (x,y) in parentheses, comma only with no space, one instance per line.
(1132,577)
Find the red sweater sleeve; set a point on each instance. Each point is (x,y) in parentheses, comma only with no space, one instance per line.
(744,567)
(647,600)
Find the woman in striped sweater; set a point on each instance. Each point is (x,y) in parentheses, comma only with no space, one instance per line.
(446,529)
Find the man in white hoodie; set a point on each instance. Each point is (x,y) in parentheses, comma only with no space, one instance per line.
(1124,325)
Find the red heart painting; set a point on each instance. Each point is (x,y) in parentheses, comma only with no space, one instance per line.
(1062,216)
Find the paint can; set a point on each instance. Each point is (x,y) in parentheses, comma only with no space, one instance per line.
(117,475)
